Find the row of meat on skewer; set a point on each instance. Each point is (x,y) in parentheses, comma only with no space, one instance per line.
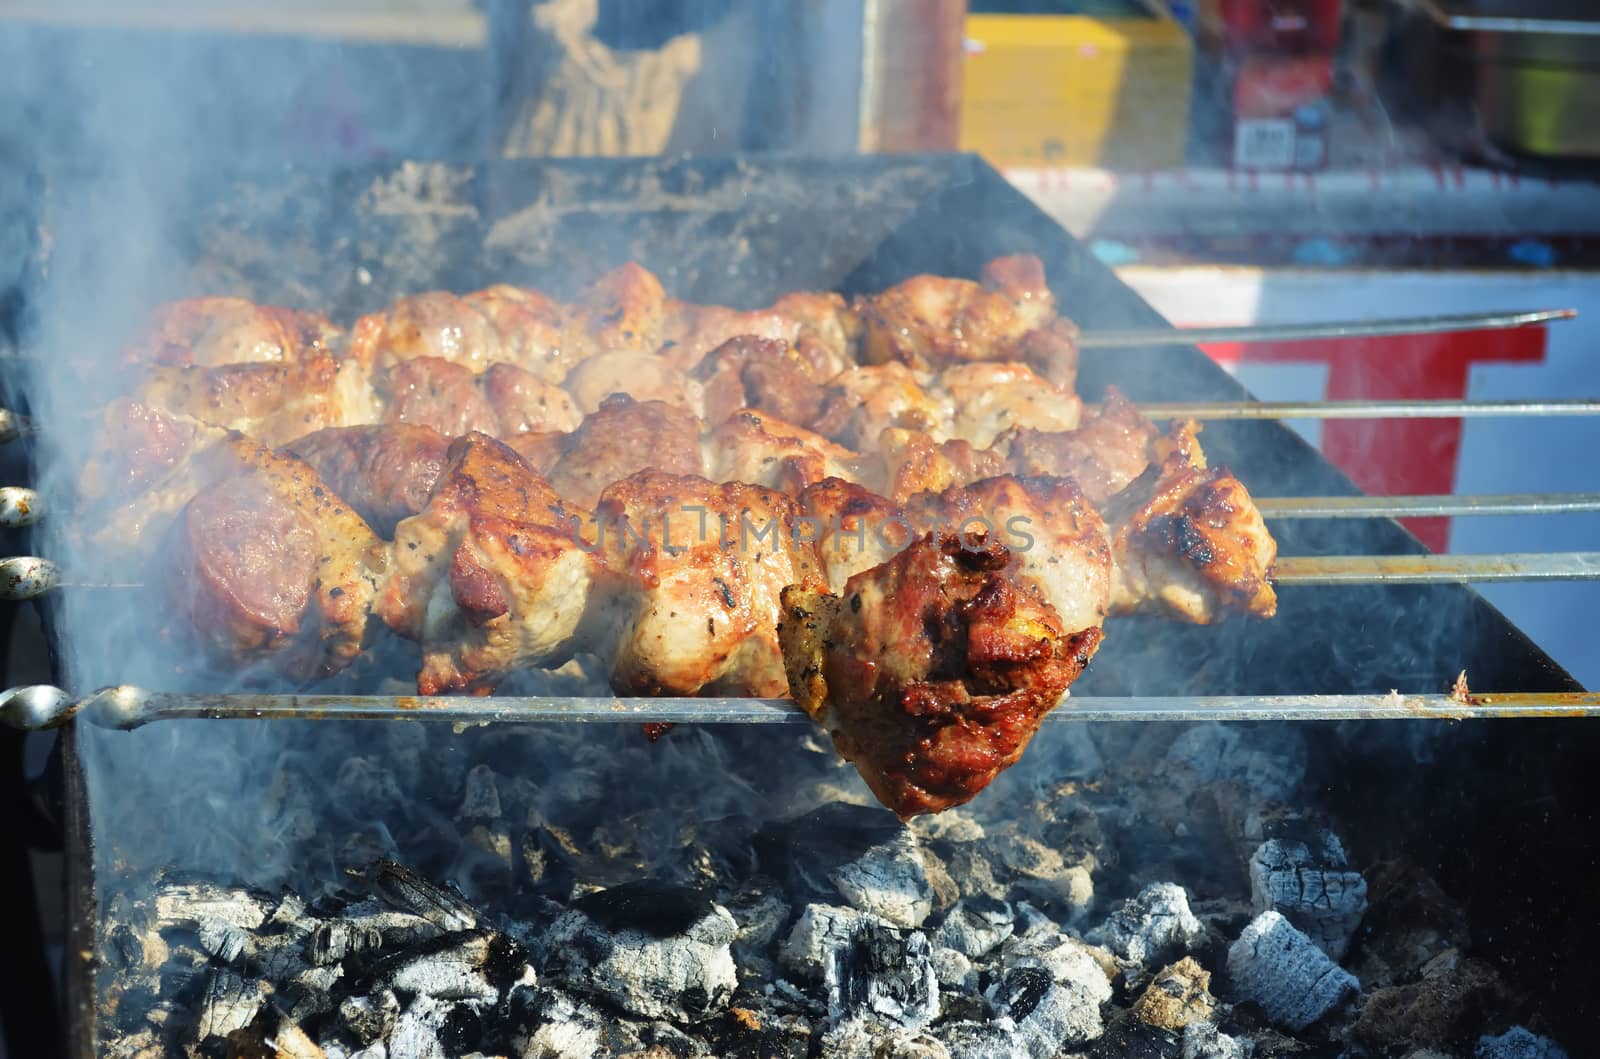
(894,509)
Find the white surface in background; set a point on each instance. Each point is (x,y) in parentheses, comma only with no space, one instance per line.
(1497,455)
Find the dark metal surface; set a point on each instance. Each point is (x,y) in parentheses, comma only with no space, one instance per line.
(1504,812)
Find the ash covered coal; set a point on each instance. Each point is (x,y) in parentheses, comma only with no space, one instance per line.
(688,898)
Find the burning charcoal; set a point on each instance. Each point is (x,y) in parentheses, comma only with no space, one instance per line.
(976,925)
(364,781)
(416,1031)
(1132,1039)
(1043,871)
(222,939)
(185,904)
(1178,996)
(557,1026)
(1517,1043)
(883,972)
(973,872)
(656,951)
(370,1018)
(1224,752)
(859,853)
(1066,959)
(981,1040)
(888,880)
(463,966)
(291,1042)
(1047,1016)
(480,798)
(410,892)
(1409,921)
(819,930)
(862,1037)
(230,1004)
(747,1034)
(1283,971)
(760,910)
(1449,1003)
(1202,1040)
(952,969)
(1155,925)
(1315,891)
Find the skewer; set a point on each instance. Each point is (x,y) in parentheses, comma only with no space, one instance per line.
(25,577)
(1414,325)
(1446,506)
(1419,409)
(42,706)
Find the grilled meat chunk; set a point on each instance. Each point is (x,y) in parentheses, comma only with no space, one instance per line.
(759,374)
(762,449)
(454,400)
(828,333)
(1110,449)
(271,401)
(864,402)
(620,437)
(489,577)
(623,311)
(690,332)
(210,332)
(855,528)
(531,329)
(693,575)
(1188,540)
(642,376)
(931,671)
(915,463)
(271,566)
(989,398)
(386,473)
(432,324)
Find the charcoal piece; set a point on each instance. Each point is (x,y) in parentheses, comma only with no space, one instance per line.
(332,941)
(553,1025)
(370,1018)
(1271,762)
(124,948)
(185,904)
(1314,889)
(1047,1016)
(1131,1039)
(976,925)
(230,1003)
(883,972)
(746,1034)
(462,1030)
(1202,1040)
(480,795)
(655,951)
(1153,926)
(864,1037)
(981,1040)
(805,852)
(1042,871)
(289,1041)
(952,969)
(1517,1043)
(888,880)
(819,930)
(1449,1003)
(1409,921)
(972,871)
(416,1031)
(1178,995)
(1067,960)
(449,967)
(363,780)
(1279,968)
(952,825)
(758,906)
(406,890)
(222,939)
(309,993)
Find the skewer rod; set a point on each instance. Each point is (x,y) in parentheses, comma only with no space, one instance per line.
(1435,569)
(1415,325)
(128,707)
(1428,506)
(1419,409)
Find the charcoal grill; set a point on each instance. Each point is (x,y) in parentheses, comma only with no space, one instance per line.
(1503,808)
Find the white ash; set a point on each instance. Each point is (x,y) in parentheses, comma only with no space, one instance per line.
(449,968)
(1047,1015)
(952,969)
(982,1040)
(1281,969)
(416,1031)
(1152,927)
(817,932)
(370,1019)
(1519,1042)
(889,880)
(230,1003)
(1043,871)
(1067,959)
(880,971)
(1315,890)
(1203,1040)
(1269,761)
(974,926)
(186,904)
(862,1037)
(660,952)
(760,910)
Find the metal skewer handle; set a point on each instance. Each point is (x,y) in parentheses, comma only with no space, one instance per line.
(41,706)
(1415,325)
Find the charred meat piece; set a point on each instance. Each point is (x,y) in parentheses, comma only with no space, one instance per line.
(619,438)
(855,528)
(271,566)
(210,332)
(1110,449)
(915,463)
(1056,538)
(762,449)
(1188,540)
(693,576)
(931,671)
(490,577)
(432,324)
(386,473)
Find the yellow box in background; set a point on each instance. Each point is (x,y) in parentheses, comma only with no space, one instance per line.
(1089,83)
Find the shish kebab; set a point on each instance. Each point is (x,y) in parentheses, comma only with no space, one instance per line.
(951,368)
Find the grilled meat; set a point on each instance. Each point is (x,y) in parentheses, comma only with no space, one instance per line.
(454,400)
(761,374)
(530,327)
(1108,451)
(619,438)
(210,332)
(434,324)
(933,670)
(989,398)
(915,463)
(855,528)
(385,473)
(762,449)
